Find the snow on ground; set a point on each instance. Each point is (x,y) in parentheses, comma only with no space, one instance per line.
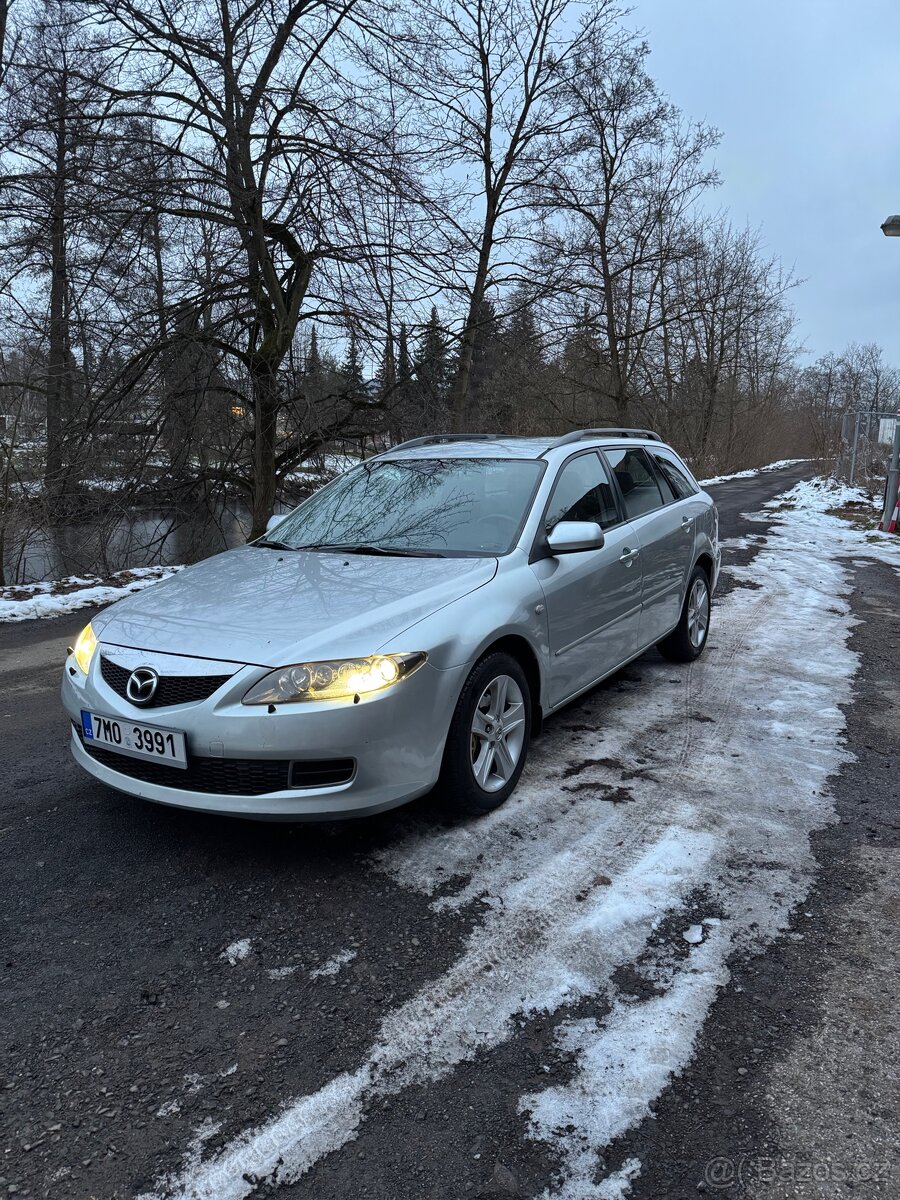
(236,952)
(24,602)
(333,965)
(823,493)
(622,1064)
(725,765)
(281,972)
(775,466)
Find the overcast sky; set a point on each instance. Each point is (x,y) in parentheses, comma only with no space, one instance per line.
(807,96)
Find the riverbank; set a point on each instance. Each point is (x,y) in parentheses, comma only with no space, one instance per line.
(53,598)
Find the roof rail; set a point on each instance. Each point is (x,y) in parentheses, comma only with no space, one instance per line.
(438,439)
(578,435)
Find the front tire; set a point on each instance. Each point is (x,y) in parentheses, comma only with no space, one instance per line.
(688,639)
(487,744)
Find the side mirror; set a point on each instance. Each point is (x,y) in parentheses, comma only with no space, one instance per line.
(273,521)
(568,537)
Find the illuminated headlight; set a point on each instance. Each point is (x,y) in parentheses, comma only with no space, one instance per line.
(344,679)
(84,648)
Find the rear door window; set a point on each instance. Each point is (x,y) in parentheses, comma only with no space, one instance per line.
(674,476)
(583,492)
(637,482)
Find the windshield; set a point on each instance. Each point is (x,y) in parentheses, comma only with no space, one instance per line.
(473,506)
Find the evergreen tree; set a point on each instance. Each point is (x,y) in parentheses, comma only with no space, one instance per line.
(486,379)
(522,389)
(386,376)
(405,388)
(314,358)
(404,360)
(351,368)
(432,371)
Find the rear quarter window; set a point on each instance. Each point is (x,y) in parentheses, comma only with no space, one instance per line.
(674,475)
(637,481)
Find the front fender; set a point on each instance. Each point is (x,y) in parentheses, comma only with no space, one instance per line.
(511,605)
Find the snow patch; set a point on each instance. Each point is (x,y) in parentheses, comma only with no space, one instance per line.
(236,952)
(622,1066)
(753,471)
(333,965)
(823,493)
(618,1185)
(694,934)
(280,972)
(25,602)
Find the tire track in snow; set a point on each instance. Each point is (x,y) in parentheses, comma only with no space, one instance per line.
(543,948)
(571,895)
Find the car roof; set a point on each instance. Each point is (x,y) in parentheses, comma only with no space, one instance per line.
(510,446)
(501,447)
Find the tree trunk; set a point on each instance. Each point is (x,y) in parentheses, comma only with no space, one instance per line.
(616,346)
(58,381)
(459,405)
(4,17)
(265,408)
(176,426)
(710,405)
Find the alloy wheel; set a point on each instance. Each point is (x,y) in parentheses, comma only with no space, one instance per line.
(498,733)
(698,613)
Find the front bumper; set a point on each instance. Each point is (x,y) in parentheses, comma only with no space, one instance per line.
(395,739)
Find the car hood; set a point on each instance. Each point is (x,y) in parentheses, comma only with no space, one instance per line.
(265,607)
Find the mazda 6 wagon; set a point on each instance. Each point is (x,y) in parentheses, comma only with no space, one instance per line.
(408,626)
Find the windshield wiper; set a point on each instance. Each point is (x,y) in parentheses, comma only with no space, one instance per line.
(359,548)
(269,544)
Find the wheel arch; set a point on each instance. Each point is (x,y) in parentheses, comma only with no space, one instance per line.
(523,652)
(705,561)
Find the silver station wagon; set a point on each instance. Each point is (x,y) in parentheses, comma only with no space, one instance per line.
(409,625)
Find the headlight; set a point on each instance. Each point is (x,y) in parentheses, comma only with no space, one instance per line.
(84,648)
(340,680)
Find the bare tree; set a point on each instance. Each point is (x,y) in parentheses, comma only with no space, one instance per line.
(270,136)
(729,344)
(490,74)
(626,178)
(59,124)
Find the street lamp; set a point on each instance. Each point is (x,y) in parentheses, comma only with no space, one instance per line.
(891,228)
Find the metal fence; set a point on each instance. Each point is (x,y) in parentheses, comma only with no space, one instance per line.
(871,449)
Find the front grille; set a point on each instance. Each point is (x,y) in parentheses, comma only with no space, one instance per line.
(321,772)
(226,776)
(219,776)
(172,689)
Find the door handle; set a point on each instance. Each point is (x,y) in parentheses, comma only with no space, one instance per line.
(687,522)
(628,556)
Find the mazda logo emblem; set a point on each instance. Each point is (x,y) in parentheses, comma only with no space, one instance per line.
(141,686)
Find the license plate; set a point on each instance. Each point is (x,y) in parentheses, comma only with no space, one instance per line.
(130,737)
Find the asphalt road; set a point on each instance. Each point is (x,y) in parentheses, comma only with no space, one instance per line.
(171,980)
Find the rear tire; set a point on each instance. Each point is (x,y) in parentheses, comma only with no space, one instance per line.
(488,740)
(688,639)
